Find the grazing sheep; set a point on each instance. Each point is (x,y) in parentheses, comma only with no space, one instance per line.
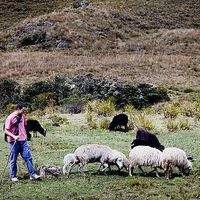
(69,159)
(145,156)
(173,156)
(90,153)
(118,121)
(146,138)
(126,162)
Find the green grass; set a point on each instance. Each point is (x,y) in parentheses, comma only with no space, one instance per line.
(64,139)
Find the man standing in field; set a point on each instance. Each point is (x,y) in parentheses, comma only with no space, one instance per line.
(17,139)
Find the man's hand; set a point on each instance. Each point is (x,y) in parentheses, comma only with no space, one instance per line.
(16,137)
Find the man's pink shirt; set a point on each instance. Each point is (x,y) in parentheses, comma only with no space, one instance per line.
(12,119)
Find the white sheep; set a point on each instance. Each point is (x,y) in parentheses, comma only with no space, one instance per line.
(69,160)
(145,156)
(126,162)
(90,153)
(173,156)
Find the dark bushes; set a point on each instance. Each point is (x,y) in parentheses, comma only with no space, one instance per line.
(45,93)
(9,93)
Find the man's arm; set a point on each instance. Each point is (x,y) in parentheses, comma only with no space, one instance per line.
(15,137)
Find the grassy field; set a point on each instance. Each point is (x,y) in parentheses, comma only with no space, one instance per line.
(64,139)
(140,41)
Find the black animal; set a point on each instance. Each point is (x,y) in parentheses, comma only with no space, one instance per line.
(118,121)
(34,125)
(144,137)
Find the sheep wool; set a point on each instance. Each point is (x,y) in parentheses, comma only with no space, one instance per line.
(144,156)
(173,156)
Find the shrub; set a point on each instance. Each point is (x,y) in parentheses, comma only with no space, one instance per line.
(37,88)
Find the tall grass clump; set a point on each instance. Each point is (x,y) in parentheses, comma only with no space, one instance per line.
(104,108)
(172,125)
(171,110)
(184,124)
(188,108)
(90,121)
(104,123)
(142,121)
(57,120)
(178,124)
(130,109)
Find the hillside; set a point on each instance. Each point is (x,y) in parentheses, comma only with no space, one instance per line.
(115,39)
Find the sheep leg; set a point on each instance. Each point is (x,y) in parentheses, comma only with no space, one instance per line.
(181,171)
(80,168)
(70,168)
(130,169)
(142,170)
(64,169)
(99,169)
(155,170)
(105,165)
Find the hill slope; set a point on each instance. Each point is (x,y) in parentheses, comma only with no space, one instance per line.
(126,40)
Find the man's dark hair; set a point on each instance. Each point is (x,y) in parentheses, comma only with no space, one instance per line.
(20,105)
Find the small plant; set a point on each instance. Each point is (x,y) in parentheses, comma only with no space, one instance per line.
(104,123)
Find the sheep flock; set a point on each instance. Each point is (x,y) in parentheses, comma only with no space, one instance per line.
(139,156)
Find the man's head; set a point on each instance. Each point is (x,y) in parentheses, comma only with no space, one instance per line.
(21,106)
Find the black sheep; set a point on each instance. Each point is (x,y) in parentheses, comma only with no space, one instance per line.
(146,138)
(34,125)
(118,121)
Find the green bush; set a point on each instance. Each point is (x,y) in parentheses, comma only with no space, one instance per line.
(37,88)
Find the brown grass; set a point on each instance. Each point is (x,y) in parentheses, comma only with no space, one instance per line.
(155,69)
